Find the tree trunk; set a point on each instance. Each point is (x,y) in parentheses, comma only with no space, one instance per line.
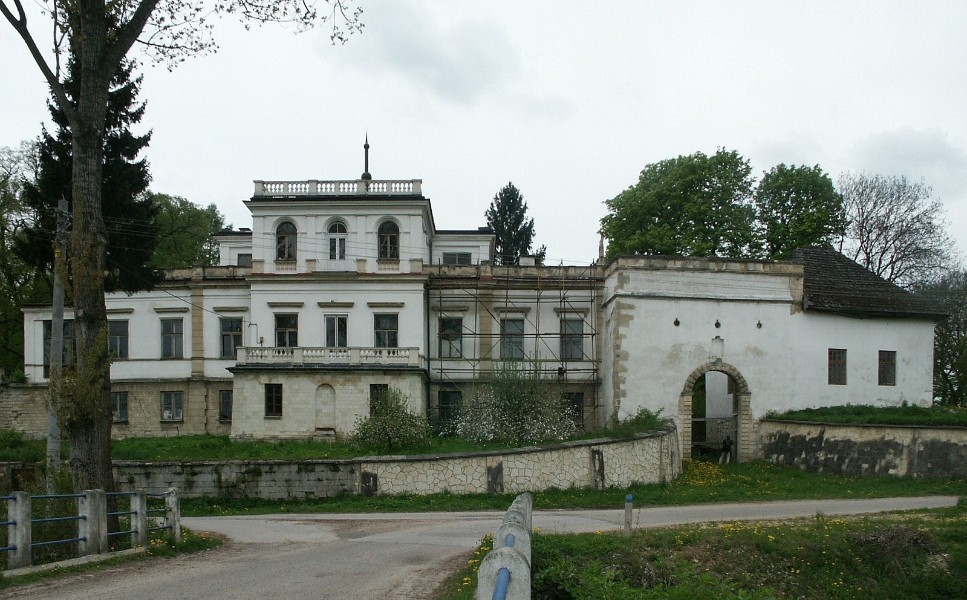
(87,415)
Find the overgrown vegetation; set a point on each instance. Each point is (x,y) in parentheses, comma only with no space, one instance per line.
(390,426)
(923,555)
(879,415)
(516,403)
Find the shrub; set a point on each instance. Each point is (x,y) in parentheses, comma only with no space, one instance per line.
(390,425)
(642,421)
(517,404)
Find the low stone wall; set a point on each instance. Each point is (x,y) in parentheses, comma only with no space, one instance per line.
(649,458)
(866,449)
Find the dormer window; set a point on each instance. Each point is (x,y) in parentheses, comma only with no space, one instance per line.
(285,241)
(337,241)
(388,238)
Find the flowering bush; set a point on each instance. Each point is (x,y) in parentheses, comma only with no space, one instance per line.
(516,403)
(390,425)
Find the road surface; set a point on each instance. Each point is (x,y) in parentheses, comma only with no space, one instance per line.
(367,556)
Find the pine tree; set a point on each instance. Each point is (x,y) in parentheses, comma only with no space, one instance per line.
(129,212)
(507,217)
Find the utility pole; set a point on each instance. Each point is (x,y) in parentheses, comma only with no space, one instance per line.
(56,352)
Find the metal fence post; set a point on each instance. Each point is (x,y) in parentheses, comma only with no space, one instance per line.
(173,514)
(18,530)
(92,528)
(139,519)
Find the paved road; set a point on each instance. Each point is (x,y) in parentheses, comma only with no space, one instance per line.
(367,556)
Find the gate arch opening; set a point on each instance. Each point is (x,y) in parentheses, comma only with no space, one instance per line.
(716,402)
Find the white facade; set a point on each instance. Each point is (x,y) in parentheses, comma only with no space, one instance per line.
(342,288)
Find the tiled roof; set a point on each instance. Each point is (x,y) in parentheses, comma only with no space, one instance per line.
(834,283)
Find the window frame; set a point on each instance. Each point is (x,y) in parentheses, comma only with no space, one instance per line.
(333,341)
(836,366)
(119,406)
(175,399)
(572,342)
(286,242)
(377,391)
(457,258)
(67,357)
(173,342)
(449,403)
(274,400)
(886,368)
(386,337)
(450,338)
(233,337)
(225,416)
(512,342)
(337,240)
(288,335)
(388,241)
(117,342)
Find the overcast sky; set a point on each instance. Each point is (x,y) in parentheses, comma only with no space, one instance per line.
(567,99)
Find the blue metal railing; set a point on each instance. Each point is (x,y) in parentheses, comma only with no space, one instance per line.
(57,520)
(503,583)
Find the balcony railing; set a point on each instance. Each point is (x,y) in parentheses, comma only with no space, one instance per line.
(329,356)
(360,187)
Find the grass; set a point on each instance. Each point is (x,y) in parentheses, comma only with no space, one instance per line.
(919,555)
(879,415)
(701,482)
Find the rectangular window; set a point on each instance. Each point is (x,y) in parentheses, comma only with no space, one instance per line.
(377,391)
(286,331)
(245,260)
(837,366)
(575,400)
(337,248)
(172,338)
(512,339)
(887,370)
(225,406)
(117,338)
(386,329)
(119,406)
(456,258)
(68,351)
(231,337)
(572,339)
(451,337)
(337,329)
(172,406)
(449,405)
(273,400)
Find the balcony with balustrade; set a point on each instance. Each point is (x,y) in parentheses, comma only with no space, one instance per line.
(277,357)
(352,187)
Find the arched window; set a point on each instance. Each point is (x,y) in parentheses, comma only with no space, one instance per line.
(285,242)
(388,238)
(337,241)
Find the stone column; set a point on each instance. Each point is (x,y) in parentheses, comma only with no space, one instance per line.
(18,530)
(92,527)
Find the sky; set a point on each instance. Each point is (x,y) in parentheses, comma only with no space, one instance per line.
(568,100)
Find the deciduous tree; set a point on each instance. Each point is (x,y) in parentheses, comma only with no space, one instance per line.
(895,228)
(694,205)
(797,206)
(186,231)
(507,216)
(950,339)
(99,34)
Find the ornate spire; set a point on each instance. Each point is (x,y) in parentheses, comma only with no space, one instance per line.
(366,174)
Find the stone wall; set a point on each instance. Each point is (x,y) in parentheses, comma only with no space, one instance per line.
(650,458)
(866,449)
(24,408)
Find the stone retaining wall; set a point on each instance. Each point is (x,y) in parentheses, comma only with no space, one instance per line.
(649,458)
(866,449)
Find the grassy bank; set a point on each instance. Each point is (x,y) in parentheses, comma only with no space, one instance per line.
(701,482)
(879,415)
(919,555)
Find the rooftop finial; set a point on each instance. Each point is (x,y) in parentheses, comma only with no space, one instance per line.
(366,174)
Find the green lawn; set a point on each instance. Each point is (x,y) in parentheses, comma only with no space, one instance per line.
(878,415)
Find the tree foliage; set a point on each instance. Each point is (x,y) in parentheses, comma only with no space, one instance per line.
(507,217)
(894,228)
(796,207)
(950,339)
(99,35)
(694,205)
(390,425)
(128,213)
(185,232)
(516,403)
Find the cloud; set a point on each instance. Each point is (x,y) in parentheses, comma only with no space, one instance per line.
(459,61)
(915,153)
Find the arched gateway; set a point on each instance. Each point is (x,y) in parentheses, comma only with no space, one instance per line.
(739,421)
